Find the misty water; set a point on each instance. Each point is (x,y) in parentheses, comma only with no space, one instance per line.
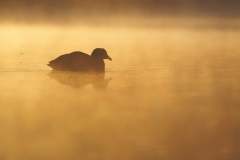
(169,93)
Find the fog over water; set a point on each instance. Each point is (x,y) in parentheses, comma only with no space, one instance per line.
(66,11)
(201,7)
(171,91)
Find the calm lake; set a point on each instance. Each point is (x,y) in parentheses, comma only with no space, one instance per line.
(169,94)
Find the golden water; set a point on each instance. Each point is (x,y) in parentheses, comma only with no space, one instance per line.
(168,94)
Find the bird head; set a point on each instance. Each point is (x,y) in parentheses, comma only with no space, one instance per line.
(100,53)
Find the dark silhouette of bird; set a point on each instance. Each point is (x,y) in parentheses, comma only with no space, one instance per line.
(81,62)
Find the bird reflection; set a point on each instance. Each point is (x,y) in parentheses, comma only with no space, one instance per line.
(79,80)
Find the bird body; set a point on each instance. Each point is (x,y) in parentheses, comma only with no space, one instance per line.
(81,62)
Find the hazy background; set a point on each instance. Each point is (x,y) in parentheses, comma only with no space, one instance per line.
(124,12)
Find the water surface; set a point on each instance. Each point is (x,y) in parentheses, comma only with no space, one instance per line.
(168,94)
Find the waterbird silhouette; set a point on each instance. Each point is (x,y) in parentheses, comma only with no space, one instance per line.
(81,62)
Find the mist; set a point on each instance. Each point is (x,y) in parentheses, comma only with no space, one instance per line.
(107,12)
(170,92)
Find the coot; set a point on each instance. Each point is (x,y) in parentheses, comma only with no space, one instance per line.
(81,62)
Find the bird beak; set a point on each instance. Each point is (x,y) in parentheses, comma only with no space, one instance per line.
(109,58)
